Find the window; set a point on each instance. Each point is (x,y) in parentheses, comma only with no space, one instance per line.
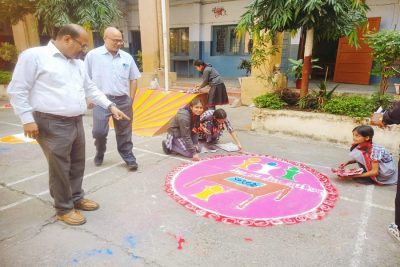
(179,41)
(227,42)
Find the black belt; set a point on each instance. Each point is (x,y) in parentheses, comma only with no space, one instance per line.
(57,117)
(116,96)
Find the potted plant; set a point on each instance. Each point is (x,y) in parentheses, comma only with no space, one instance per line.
(297,69)
(245,65)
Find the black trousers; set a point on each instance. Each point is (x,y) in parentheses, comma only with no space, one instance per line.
(397,201)
(62,140)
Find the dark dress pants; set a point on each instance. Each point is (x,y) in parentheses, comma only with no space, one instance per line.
(123,128)
(62,140)
(397,201)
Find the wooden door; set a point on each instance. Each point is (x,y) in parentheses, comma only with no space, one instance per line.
(354,65)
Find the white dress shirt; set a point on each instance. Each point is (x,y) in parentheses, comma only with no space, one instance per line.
(45,80)
(111,74)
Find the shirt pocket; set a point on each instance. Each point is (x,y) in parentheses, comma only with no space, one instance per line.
(124,70)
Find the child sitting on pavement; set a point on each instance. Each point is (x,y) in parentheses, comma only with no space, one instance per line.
(377,163)
(212,125)
(183,129)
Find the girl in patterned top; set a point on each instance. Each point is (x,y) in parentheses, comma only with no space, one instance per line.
(213,124)
(377,162)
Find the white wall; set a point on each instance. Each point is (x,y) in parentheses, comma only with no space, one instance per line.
(388,10)
(198,17)
(234,9)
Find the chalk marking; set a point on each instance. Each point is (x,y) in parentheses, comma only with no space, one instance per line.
(362,228)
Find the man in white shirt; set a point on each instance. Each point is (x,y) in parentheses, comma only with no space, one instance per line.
(115,73)
(48,91)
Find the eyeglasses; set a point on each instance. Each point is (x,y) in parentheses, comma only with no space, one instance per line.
(117,41)
(84,47)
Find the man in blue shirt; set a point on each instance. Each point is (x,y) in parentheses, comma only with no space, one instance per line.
(115,73)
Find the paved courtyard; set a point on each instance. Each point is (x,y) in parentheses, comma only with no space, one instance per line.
(138,224)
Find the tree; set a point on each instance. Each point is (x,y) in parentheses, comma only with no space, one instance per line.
(92,14)
(326,19)
(385,47)
(14,10)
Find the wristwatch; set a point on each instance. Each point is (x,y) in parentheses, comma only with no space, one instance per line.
(111,105)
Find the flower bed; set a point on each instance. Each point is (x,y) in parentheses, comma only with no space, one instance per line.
(320,126)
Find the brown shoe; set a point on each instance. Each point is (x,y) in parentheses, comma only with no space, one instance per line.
(86,204)
(73,217)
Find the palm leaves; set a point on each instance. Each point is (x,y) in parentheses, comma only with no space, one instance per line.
(92,14)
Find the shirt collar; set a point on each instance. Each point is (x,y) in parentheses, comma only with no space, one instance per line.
(105,51)
(54,50)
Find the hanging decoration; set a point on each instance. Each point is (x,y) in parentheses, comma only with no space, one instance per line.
(219,11)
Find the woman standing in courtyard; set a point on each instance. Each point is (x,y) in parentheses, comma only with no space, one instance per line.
(217,94)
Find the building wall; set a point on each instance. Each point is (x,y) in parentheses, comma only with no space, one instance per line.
(199,18)
(226,65)
(388,10)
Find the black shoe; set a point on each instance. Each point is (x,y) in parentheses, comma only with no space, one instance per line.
(165,148)
(133,166)
(98,160)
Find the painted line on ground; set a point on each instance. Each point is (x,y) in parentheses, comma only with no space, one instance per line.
(362,228)
(43,173)
(368,203)
(9,123)
(15,203)
(47,191)
(162,155)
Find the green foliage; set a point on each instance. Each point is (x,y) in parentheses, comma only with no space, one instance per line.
(139,60)
(5,77)
(381,100)
(330,19)
(309,101)
(353,106)
(323,95)
(261,56)
(8,52)
(94,15)
(386,51)
(245,65)
(91,14)
(14,10)
(270,100)
(297,67)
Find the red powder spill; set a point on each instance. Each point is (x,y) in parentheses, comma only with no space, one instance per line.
(248,239)
(180,240)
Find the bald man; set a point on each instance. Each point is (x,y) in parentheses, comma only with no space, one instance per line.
(48,91)
(115,73)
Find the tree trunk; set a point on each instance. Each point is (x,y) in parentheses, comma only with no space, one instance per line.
(307,62)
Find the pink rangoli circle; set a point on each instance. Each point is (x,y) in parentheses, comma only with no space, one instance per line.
(252,190)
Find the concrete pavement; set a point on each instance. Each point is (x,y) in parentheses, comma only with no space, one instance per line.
(138,224)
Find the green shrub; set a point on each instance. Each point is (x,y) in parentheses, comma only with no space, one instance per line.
(352,106)
(269,100)
(309,101)
(8,52)
(5,77)
(381,100)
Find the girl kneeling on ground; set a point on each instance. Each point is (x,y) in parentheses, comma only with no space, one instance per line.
(183,129)
(375,160)
(212,125)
